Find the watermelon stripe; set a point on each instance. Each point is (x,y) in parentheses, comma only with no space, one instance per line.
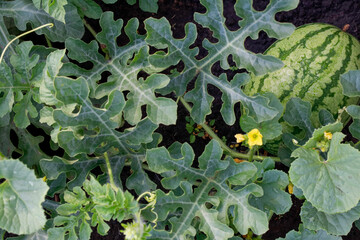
(314,57)
(327,62)
(336,77)
(284,54)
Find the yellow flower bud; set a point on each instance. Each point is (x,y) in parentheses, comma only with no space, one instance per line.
(239,138)
(328,135)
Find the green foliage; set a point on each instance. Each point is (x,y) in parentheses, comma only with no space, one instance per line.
(91,207)
(21,196)
(99,107)
(146,5)
(53,8)
(328,184)
(213,175)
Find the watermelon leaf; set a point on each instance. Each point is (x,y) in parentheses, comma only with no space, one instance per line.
(24,11)
(336,224)
(329,185)
(211,187)
(54,8)
(229,43)
(87,8)
(146,5)
(125,64)
(19,78)
(21,195)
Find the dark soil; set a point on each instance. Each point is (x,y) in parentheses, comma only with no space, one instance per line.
(180,12)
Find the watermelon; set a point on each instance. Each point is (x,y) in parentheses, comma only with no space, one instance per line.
(314,57)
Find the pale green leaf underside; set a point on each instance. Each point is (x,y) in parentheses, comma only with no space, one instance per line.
(213,174)
(21,196)
(229,43)
(332,185)
(336,224)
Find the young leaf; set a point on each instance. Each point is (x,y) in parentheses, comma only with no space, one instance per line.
(318,134)
(229,43)
(82,167)
(124,65)
(329,185)
(213,174)
(21,195)
(336,224)
(24,11)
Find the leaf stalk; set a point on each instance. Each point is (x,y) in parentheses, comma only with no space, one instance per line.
(111,177)
(227,150)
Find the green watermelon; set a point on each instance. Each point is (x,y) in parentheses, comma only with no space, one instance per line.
(314,57)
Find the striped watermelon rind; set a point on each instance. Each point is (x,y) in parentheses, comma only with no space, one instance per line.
(314,57)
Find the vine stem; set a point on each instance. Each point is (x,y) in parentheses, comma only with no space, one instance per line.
(21,35)
(111,177)
(94,33)
(226,149)
(90,28)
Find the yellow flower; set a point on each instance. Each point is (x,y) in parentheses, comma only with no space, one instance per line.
(291,188)
(255,138)
(328,135)
(44,179)
(239,138)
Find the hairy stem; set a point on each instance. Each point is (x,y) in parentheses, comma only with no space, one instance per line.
(90,28)
(226,149)
(111,177)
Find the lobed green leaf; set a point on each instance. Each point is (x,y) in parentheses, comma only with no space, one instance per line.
(329,185)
